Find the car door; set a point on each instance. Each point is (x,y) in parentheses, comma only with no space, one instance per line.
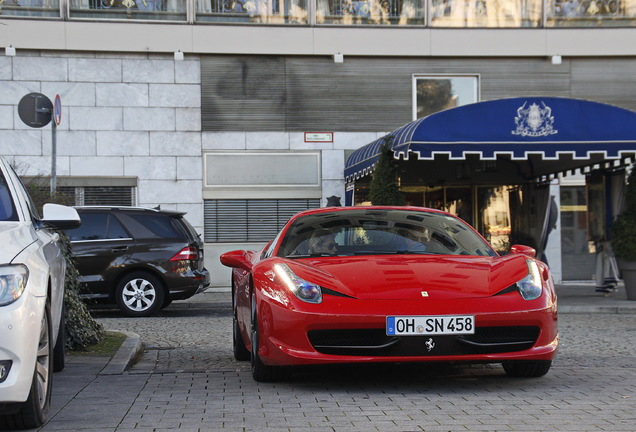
(101,245)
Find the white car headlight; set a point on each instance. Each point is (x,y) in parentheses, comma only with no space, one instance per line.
(530,287)
(306,291)
(13,280)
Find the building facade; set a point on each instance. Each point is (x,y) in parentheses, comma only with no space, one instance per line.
(241,113)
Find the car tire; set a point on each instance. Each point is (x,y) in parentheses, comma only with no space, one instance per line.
(241,353)
(262,372)
(34,411)
(526,368)
(59,352)
(139,294)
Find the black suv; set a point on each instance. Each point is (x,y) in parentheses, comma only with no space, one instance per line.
(140,259)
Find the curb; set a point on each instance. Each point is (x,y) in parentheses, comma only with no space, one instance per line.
(125,355)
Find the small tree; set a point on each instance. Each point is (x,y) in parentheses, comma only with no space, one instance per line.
(384,186)
(623,230)
(82,330)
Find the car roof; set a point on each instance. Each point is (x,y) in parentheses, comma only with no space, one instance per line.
(173,213)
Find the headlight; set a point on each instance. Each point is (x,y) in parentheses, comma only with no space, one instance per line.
(13,280)
(530,287)
(306,291)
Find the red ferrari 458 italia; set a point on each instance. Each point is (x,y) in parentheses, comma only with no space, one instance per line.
(389,284)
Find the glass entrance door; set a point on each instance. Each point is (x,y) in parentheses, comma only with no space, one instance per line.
(494,214)
(578,260)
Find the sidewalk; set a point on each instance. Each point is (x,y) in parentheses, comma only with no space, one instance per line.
(577,297)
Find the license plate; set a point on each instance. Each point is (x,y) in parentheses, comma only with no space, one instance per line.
(430,325)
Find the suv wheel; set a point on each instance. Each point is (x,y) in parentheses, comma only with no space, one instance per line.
(139,294)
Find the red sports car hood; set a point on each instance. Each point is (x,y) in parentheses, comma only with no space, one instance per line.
(411,277)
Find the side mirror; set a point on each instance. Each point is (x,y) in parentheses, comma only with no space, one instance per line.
(524,250)
(60,217)
(237,259)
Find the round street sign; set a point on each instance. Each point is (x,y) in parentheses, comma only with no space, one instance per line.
(35,110)
(57,110)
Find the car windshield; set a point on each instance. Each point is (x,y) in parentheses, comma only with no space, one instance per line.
(7,208)
(381,231)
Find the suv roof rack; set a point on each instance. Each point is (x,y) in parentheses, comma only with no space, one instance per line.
(131,208)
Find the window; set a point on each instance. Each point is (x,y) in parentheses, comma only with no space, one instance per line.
(162,10)
(251,220)
(98,226)
(7,209)
(585,13)
(436,93)
(433,13)
(99,195)
(374,12)
(577,253)
(30,8)
(95,195)
(148,226)
(253,11)
(485,13)
(79,191)
(254,170)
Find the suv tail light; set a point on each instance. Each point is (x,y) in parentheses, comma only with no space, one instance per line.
(186,254)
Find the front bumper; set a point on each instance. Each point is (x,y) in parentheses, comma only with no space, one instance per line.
(20,332)
(349,330)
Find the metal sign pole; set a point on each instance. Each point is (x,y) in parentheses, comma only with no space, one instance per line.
(53,157)
(57,118)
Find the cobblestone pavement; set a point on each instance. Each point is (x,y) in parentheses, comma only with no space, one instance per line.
(199,338)
(187,379)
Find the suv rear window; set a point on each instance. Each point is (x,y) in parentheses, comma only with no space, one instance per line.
(144,225)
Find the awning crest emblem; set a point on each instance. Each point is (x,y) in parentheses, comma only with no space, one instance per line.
(534,121)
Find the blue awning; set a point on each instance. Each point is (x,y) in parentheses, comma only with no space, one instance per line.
(549,127)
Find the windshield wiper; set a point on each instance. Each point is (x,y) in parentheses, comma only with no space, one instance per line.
(311,255)
(393,252)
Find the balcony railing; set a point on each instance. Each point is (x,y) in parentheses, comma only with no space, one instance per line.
(429,13)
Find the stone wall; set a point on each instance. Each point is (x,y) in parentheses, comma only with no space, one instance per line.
(136,115)
(130,115)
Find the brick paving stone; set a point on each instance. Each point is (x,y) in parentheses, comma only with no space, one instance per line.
(187,379)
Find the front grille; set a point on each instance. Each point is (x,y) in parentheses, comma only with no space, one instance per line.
(361,342)
(375,342)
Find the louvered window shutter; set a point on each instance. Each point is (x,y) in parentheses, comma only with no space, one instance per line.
(250,220)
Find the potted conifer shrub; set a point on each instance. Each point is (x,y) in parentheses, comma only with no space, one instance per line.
(384,189)
(623,239)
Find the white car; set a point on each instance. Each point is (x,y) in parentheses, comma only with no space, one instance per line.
(32,270)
